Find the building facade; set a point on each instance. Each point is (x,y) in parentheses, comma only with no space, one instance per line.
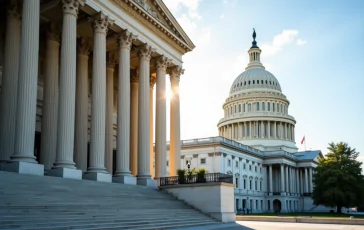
(77,81)
(256,144)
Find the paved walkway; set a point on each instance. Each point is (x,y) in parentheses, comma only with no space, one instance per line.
(257,225)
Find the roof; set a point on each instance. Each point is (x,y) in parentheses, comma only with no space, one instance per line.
(307,155)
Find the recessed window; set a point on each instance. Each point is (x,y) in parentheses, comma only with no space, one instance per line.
(268,106)
(244,166)
(237,164)
(239,108)
(263,106)
(256,168)
(249,82)
(270,82)
(236,182)
(244,183)
(257,106)
(244,82)
(203,161)
(261,81)
(250,167)
(229,162)
(253,81)
(266,82)
(167,163)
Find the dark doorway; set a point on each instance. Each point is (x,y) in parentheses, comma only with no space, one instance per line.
(277,206)
(37,141)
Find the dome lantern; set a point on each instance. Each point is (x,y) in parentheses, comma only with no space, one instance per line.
(254,54)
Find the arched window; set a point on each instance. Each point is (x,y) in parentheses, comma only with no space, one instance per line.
(274,107)
(235,109)
(263,106)
(249,107)
(231,110)
(268,106)
(239,108)
(244,107)
(277,107)
(281,108)
(257,106)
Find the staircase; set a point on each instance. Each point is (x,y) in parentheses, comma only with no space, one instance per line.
(42,202)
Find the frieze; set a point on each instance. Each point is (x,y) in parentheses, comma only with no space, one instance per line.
(183,157)
(195,155)
(211,154)
(240,158)
(218,154)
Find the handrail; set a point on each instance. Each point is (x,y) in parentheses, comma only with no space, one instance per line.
(193,179)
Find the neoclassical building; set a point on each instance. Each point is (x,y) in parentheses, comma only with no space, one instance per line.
(256,144)
(77,81)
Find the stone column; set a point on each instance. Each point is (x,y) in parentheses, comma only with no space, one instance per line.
(175,132)
(109,148)
(81,124)
(297,181)
(282,179)
(134,123)
(96,170)
(48,145)
(151,122)
(270,180)
(23,156)
(161,120)
(262,129)
(245,130)
(122,173)
(64,165)
(268,129)
(143,176)
(275,130)
(251,130)
(311,184)
(288,190)
(306,181)
(9,82)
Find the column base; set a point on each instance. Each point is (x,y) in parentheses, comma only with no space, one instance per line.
(97,176)
(149,182)
(124,179)
(65,173)
(22,167)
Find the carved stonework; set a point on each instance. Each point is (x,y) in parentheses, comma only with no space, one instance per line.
(183,157)
(134,76)
(145,52)
(72,6)
(218,154)
(211,154)
(110,60)
(240,159)
(224,154)
(195,155)
(144,4)
(175,72)
(125,39)
(101,23)
(233,157)
(153,80)
(14,9)
(83,46)
(53,33)
(162,62)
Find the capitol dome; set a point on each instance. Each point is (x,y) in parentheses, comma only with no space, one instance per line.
(256,111)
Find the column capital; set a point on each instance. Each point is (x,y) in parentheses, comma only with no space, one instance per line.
(53,32)
(110,60)
(125,39)
(83,46)
(175,72)
(162,62)
(153,80)
(134,78)
(101,23)
(13,9)
(72,6)
(145,51)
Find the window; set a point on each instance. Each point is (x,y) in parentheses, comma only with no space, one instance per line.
(203,160)
(250,167)
(244,107)
(260,186)
(256,185)
(244,167)
(260,169)
(274,107)
(253,81)
(235,108)
(268,106)
(278,108)
(167,163)
(249,107)
(250,184)
(263,106)
(256,168)
(261,81)
(236,182)
(229,162)
(244,183)
(237,164)
(257,106)
(249,82)
(239,108)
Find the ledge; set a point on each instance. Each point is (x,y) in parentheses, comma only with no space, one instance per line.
(197,185)
(346,221)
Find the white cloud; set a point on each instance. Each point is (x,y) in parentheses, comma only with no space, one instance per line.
(175,6)
(300,42)
(279,41)
(222,16)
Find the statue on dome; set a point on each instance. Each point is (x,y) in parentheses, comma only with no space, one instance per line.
(254,34)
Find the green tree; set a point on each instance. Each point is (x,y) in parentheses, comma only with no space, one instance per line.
(338,179)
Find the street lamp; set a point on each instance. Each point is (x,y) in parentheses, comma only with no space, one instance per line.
(188,166)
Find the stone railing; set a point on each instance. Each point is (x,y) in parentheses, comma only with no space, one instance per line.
(192,179)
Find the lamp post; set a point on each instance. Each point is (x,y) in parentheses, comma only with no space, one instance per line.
(188,166)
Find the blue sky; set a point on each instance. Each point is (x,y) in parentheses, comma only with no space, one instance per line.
(314,48)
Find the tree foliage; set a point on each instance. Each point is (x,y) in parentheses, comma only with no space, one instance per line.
(338,179)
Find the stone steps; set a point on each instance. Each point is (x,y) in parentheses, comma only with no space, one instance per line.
(36,202)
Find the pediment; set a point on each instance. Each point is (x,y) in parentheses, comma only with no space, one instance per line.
(159,12)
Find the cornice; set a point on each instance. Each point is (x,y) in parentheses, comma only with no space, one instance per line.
(145,17)
(254,117)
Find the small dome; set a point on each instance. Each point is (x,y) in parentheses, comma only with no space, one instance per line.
(255,78)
